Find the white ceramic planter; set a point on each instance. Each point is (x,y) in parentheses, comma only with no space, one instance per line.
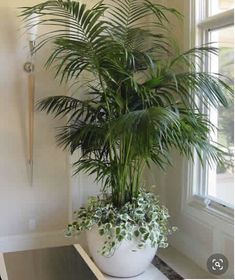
(127,261)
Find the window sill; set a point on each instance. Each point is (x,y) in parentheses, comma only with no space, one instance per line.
(212,208)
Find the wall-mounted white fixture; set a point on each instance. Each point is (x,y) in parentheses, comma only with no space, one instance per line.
(29,68)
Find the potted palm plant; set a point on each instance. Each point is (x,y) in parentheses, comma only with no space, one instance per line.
(140,103)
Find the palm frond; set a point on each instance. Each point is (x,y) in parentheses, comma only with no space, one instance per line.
(58,105)
(209,88)
(77,37)
(195,57)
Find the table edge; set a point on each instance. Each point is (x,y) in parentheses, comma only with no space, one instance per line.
(89,262)
(3,271)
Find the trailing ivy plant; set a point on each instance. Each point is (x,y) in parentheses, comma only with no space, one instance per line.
(143,220)
(140,103)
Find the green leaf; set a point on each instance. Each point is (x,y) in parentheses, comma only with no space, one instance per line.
(142,230)
(136,233)
(118,230)
(120,238)
(146,236)
(101,232)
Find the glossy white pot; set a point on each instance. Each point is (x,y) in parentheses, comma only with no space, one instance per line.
(127,261)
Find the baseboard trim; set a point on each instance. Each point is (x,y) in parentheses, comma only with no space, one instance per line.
(191,248)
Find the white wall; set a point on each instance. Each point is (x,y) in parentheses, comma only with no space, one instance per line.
(46,203)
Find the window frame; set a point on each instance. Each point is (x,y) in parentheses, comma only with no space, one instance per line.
(198,24)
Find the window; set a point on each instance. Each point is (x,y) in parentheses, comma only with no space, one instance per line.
(219,6)
(216,26)
(220,179)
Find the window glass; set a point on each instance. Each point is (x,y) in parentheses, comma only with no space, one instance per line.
(221,179)
(218,6)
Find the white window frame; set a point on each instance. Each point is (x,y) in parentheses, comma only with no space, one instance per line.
(196,27)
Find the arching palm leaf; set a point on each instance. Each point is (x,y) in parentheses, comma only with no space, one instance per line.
(78,38)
